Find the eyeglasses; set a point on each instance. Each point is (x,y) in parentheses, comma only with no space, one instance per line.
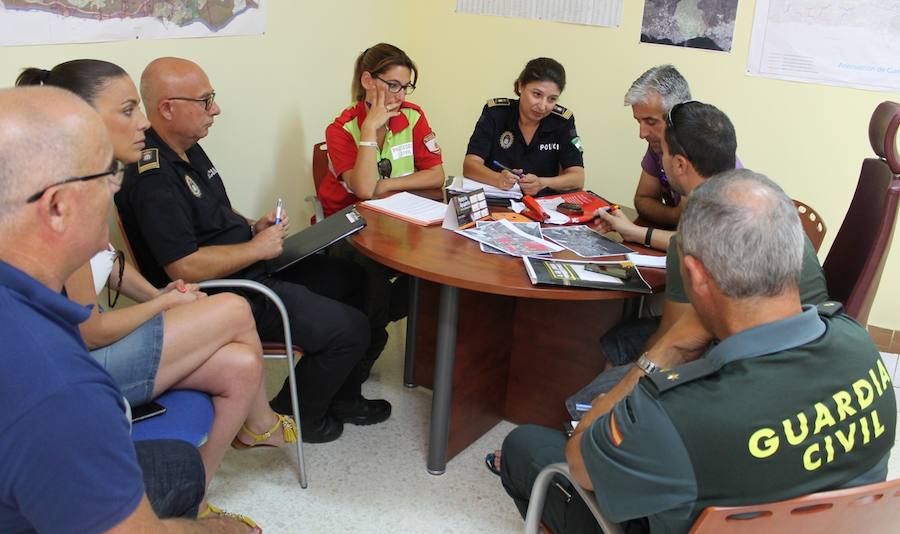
(115,172)
(207,101)
(385,168)
(110,299)
(670,125)
(395,87)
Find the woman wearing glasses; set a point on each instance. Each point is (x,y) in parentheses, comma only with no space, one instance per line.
(380,144)
(155,345)
(381,135)
(531,141)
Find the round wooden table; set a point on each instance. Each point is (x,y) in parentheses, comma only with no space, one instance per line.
(507,327)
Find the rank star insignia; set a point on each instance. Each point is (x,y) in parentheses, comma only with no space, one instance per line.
(192,186)
(673,376)
(506,139)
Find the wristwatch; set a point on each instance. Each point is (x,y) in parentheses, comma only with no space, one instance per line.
(646,365)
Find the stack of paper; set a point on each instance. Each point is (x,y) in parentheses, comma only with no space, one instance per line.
(410,207)
(504,236)
(461,184)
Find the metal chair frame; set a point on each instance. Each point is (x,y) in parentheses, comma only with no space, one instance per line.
(276,355)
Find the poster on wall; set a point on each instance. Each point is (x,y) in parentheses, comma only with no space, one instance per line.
(706,24)
(29,22)
(590,12)
(850,44)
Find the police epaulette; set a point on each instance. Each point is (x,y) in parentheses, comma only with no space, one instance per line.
(501,101)
(149,160)
(666,380)
(829,308)
(562,112)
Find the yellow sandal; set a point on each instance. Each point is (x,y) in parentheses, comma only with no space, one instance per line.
(215,511)
(288,430)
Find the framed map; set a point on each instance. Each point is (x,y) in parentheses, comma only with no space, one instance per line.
(25,22)
(850,44)
(707,24)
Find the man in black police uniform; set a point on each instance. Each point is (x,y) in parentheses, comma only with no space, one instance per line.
(181,224)
(794,399)
(532,134)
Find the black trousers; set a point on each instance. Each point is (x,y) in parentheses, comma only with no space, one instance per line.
(386,295)
(323,297)
(527,450)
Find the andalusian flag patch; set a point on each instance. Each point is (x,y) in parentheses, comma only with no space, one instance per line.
(614,433)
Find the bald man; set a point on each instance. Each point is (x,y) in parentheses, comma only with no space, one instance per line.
(181,224)
(69,462)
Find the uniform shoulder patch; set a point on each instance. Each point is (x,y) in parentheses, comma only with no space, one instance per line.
(829,308)
(149,160)
(672,378)
(501,101)
(562,112)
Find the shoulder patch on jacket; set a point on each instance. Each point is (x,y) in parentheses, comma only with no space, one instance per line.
(829,308)
(672,378)
(562,112)
(149,160)
(501,101)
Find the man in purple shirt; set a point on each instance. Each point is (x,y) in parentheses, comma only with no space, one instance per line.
(651,97)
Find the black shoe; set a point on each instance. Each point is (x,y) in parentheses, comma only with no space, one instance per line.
(282,404)
(326,429)
(361,411)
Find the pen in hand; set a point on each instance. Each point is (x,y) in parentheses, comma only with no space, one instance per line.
(518,174)
(279,208)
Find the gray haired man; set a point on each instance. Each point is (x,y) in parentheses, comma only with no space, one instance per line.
(651,96)
(712,426)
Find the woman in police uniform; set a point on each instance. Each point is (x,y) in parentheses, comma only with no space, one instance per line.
(534,136)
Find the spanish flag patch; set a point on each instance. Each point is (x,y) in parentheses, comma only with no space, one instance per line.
(614,433)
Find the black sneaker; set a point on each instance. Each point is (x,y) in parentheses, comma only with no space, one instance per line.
(361,411)
(326,429)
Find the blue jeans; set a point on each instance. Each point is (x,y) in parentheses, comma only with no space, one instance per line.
(174,478)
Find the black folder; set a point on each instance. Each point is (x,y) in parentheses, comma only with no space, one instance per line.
(346,222)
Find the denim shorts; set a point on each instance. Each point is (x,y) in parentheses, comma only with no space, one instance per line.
(134,360)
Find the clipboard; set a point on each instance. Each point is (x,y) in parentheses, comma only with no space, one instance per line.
(310,240)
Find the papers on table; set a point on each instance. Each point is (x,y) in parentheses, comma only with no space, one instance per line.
(409,207)
(506,237)
(531,228)
(621,275)
(461,184)
(585,242)
(643,260)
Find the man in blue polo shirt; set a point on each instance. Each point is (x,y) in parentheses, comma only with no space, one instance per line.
(69,464)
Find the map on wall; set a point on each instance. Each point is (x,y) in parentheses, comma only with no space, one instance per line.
(24,22)
(851,44)
(707,24)
(590,12)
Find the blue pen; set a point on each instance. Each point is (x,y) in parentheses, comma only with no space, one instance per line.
(279,208)
(505,168)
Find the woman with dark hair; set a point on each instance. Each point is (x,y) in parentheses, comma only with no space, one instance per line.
(531,141)
(380,144)
(156,344)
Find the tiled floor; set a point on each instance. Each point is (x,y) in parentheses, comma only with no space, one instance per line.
(373,479)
